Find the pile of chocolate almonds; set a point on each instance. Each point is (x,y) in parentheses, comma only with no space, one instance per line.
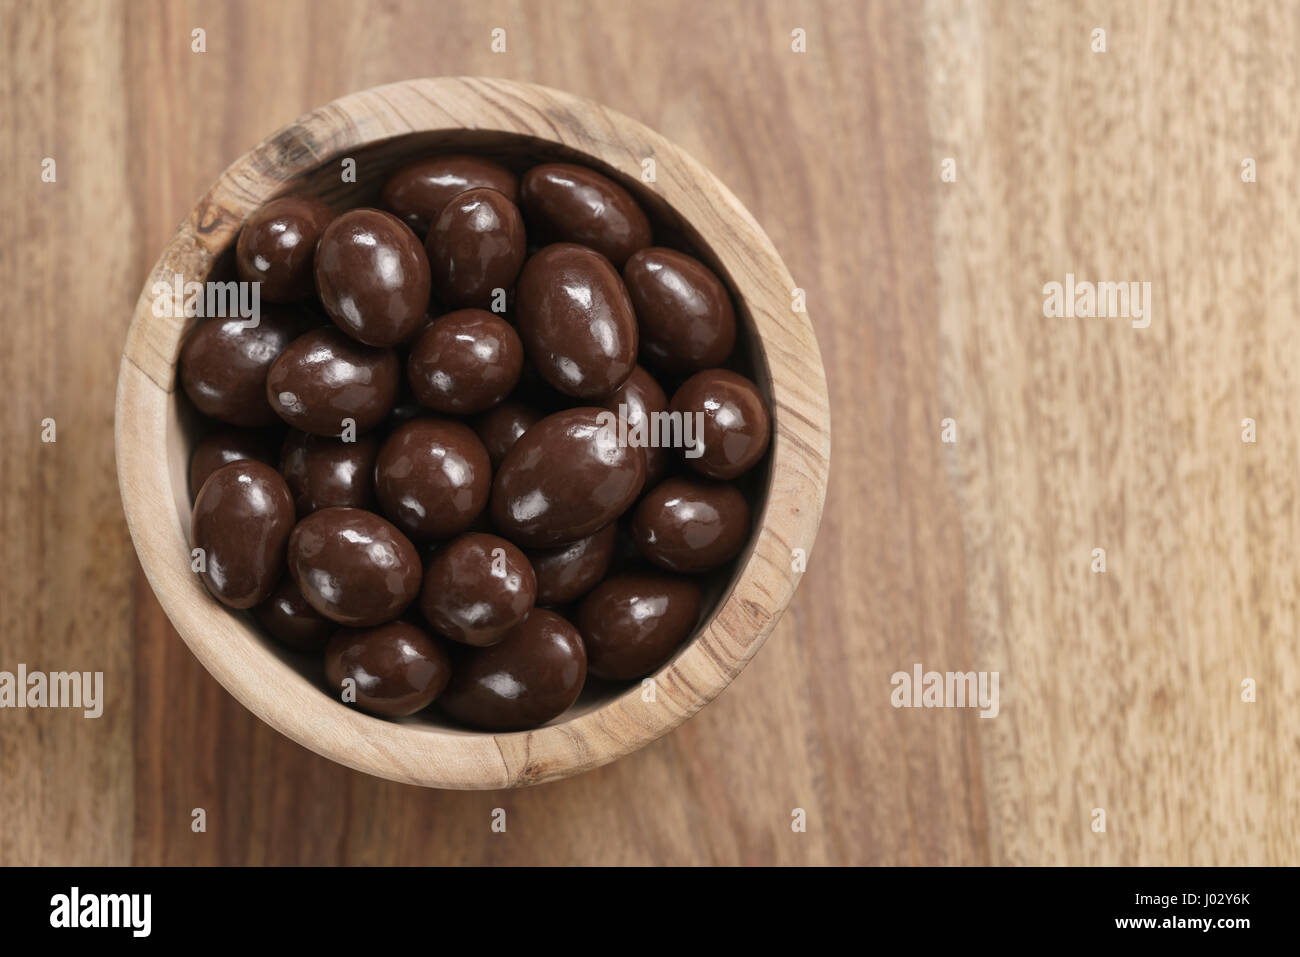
(444,457)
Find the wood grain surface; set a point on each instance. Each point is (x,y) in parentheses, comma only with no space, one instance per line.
(1119,690)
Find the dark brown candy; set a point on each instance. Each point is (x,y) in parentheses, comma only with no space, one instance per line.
(529,677)
(499,428)
(735,427)
(684,312)
(242,519)
(567,573)
(418,191)
(372,277)
(224,364)
(394,670)
(567,203)
(632,623)
(291,619)
(565,478)
(433,477)
(325,377)
(231,445)
(475,248)
(324,472)
(576,321)
(477,588)
(691,525)
(354,567)
(277,246)
(638,403)
(465,361)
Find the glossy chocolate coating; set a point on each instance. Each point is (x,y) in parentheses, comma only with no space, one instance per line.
(231,445)
(465,361)
(417,192)
(690,525)
(532,675)
(567,573)
(224,364)
(397,667)
(475,247)
(433,477)
(277,246)
(354,567)
(567,203)
(565,478)
(325,472)
(499,428)
(736,424)
(372,277)
(289,617)
(686,319)
(576,321)
(324,376)
(632,623)
(642,397)
(477,588)
(242,519)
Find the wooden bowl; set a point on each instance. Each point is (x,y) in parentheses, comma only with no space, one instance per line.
(518,123)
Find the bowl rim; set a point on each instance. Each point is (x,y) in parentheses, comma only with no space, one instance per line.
(265,683)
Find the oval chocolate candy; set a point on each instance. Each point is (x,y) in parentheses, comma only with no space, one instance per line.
(372,277)
(734,424)
(394,670)
(277,246)
(433,477)
(464,362)
(476,247)
(242,520)
(353,566)
(529,677)
(567,203)
(683,310)
(565,478)
(477,588)
(632,623)
(690,525)
(576,321)
(324,380)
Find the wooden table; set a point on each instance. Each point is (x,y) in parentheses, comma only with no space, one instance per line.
(1120,690)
